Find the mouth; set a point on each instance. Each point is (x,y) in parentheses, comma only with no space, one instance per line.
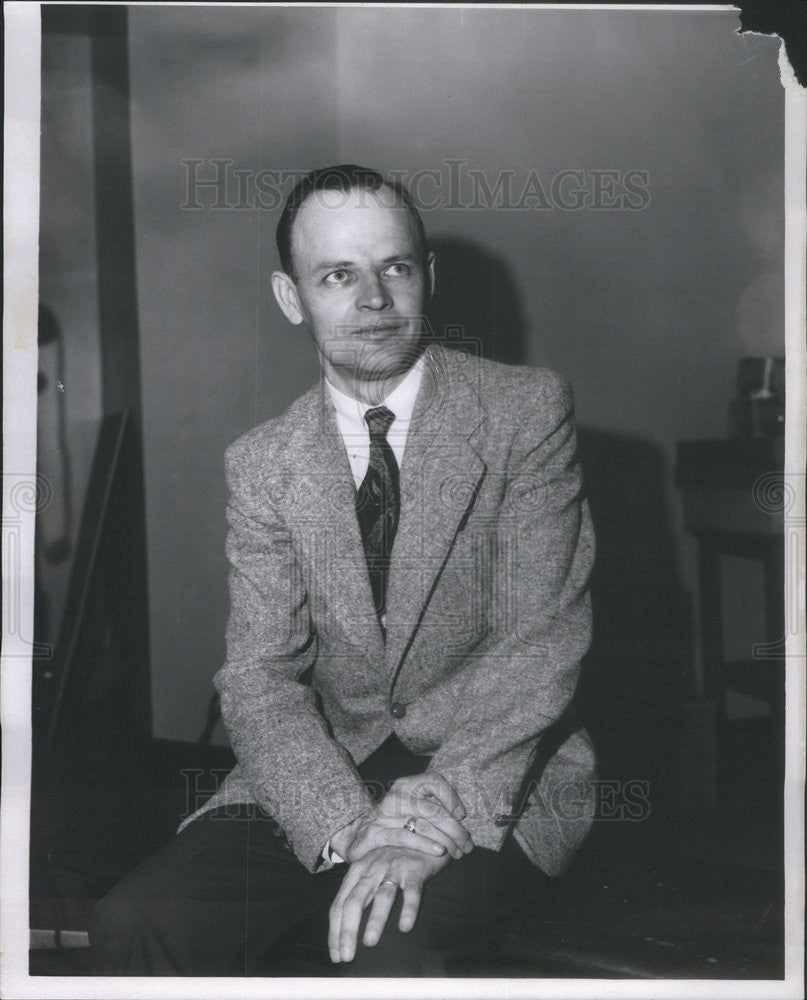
(379,331)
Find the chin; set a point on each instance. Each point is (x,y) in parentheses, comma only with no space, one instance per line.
(380,361)
(386,365)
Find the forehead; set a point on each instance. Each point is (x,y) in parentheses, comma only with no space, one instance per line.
(348,225)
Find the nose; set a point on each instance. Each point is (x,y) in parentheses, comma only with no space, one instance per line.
(373,294)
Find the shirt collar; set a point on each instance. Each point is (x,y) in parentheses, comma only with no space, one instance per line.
(401,400)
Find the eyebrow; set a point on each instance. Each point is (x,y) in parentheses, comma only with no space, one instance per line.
(336,265)
(332,265)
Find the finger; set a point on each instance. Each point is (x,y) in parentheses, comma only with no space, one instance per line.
(417,841)
(336,911)
(448,828)
(434,785)
(411,905)
(448,835)
(432,835)
(402,804)
(382,906)
(388,835)
(352,910)
(334,928)
(425,838)
(438,825)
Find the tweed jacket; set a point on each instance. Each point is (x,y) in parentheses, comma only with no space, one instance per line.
(488,613)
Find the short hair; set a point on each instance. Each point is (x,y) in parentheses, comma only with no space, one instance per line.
(346,177)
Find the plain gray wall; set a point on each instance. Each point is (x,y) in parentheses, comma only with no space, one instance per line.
(647,312)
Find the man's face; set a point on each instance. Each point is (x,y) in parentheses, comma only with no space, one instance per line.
(362,284)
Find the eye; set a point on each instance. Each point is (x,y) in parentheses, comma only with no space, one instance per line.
(398,270)
(340,277)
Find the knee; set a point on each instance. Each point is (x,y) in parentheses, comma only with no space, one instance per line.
(400,960)
(111,918)
(125,937)
(421,952)
(109,929)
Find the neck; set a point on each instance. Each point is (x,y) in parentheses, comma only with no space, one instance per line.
(369,391)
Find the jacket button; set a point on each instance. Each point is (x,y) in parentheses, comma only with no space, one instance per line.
(398,710)
(501,820)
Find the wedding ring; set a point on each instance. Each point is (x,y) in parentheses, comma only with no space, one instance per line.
(388,881)
(410,824)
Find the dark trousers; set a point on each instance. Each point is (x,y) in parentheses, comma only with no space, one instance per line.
(228,898)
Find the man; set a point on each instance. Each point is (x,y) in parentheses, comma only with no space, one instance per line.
(409,563)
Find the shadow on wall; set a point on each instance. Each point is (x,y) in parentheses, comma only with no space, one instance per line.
(633,682)
(632,688)
(641,637)
(476,300)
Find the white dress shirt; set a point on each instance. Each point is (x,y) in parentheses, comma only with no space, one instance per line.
(355,433)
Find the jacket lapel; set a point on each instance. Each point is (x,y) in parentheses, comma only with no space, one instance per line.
(320,510)
(440,477)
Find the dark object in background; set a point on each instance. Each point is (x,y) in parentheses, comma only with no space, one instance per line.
(94,699)
(759,409)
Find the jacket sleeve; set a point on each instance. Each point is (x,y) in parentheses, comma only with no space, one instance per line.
(294,768)
(521,678)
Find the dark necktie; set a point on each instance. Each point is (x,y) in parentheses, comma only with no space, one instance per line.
(377,504)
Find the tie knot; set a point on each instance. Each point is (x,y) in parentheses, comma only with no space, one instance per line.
(379,420)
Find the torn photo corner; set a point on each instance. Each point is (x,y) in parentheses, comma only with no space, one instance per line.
(786,22)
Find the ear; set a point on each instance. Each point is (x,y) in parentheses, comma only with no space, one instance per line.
(285,292)
(430,272)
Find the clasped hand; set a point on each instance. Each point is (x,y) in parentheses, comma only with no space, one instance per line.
(383,856)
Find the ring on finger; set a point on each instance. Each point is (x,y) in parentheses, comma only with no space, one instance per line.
(388,881)
(409,825)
